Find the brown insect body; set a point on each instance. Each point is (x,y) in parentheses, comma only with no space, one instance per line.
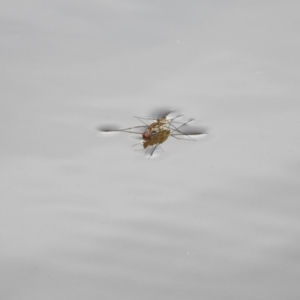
(159,131)
(157,139)
(156,127)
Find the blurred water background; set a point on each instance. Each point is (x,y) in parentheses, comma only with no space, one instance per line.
(83,216)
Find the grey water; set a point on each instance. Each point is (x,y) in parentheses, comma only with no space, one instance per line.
(84,216)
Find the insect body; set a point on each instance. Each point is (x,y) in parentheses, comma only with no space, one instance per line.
(156,138)
(156,133)
(156,127)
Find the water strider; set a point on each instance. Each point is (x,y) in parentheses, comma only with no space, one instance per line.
(157,132)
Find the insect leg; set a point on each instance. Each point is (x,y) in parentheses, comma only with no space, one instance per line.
(176,129)
(144,118)
(152,152)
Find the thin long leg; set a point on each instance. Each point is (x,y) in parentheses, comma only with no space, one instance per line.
(140,119)
(182,124)
(176,129)
(190,139)
(175,118)
(153,150)
(125,130)
(154,119)
(136,144)
(131,128)
(144,118)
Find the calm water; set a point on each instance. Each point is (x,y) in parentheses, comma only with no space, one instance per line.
(84,216)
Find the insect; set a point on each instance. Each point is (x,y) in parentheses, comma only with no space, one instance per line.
(157,132)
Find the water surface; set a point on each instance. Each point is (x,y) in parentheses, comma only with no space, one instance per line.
(84,216)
